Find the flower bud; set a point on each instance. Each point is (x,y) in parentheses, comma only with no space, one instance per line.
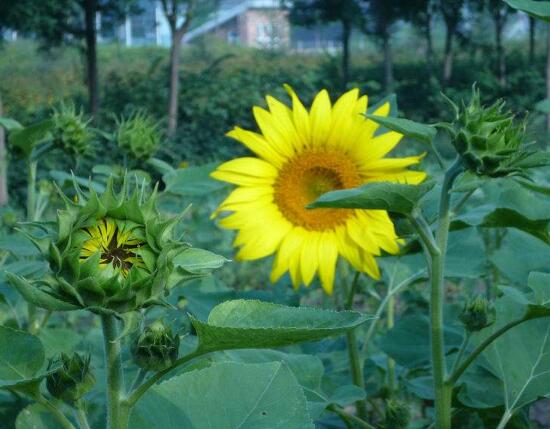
(156,348)
(397,415)
(72,379)
(478,313)
(490,141)
(70,131)
(138,136)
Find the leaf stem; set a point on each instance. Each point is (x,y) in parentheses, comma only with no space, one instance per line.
(56,412)
(81,415)
(115,376)
(349,417)
(355,361)
(139,379)
(461,351)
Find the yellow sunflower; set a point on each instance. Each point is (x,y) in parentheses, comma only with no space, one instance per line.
(302,155)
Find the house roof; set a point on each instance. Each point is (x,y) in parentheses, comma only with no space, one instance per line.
(228,10)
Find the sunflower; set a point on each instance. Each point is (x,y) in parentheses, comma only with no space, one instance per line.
(300,156)
(118,248)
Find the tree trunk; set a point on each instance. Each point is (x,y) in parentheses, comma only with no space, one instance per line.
(346,34)
(501,56)
(429,41)
(448,58)
(92,80)
(532,25)
(548,73)
(388,61)
(3,165)
(174,84)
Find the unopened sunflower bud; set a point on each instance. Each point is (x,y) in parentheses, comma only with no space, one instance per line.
(72,379)
(70,132)
(478,313)
(397,415)
(138,136)
(490,141)
(156,348)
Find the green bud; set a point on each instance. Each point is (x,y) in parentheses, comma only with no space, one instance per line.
(397,415)
(490,141)
(70,131)
(9,219)
(72,379)
(138,136)
(156,348)
(477,314)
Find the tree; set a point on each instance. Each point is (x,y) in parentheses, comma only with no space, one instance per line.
(420,13)
(380,15)
(180,14)
(499,12)
(74,22)
(347,12)
(451,10)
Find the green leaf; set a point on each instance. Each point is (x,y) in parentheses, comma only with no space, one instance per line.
(421,132)
(59,340)
(226,396)
(21,356)
(244,324)
(538,9)
(36,416)
(159,165)
(198,261)
(38,297)
(192,181)
(10,124)
(519,357)
(27,138)
(393,197)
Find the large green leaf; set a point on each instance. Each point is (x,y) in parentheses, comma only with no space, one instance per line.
(393,197)
(10,124)
(192,181)
(36,416)
(243,324)
(27,138)
(226,396)
(21,356)
(422,132)
(538,9)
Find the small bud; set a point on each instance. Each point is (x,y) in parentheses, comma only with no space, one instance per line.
(9,219)
(70,132)
(478,313)
(72,380)
(138,136)
(398,414)
(156,348)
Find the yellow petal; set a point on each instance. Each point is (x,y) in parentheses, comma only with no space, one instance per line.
(259,145)
(283,116)
(328,254)
(273,132)
(309,258)
(300,117)
(381,145)
(246,172)
(342,117)
(290,246)
(320,119)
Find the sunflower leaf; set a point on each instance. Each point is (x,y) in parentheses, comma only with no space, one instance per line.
(392,197)
(226,396)
(243,324)
(421,132)
(537,9)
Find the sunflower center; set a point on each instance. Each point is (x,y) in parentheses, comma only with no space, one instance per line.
(116,246)
(306,177)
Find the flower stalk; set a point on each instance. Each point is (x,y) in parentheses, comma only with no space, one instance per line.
(117,414)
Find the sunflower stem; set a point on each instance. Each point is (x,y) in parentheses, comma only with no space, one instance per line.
(34,324)
(64,422)
(356,363)
(117,415)
(443,391)
(390,320)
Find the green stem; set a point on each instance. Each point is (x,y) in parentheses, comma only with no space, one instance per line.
(56,412)
(139,379)
(356,363)
(437,282)
(34,325)
(461,351)
(391,363)
(484,344)
(81,415)
(140,391)
(115,378)
(349,417)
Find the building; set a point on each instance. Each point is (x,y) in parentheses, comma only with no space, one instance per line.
(255,23)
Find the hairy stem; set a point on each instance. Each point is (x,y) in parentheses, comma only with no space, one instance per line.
(56,412)
(116,418)
(356,421)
